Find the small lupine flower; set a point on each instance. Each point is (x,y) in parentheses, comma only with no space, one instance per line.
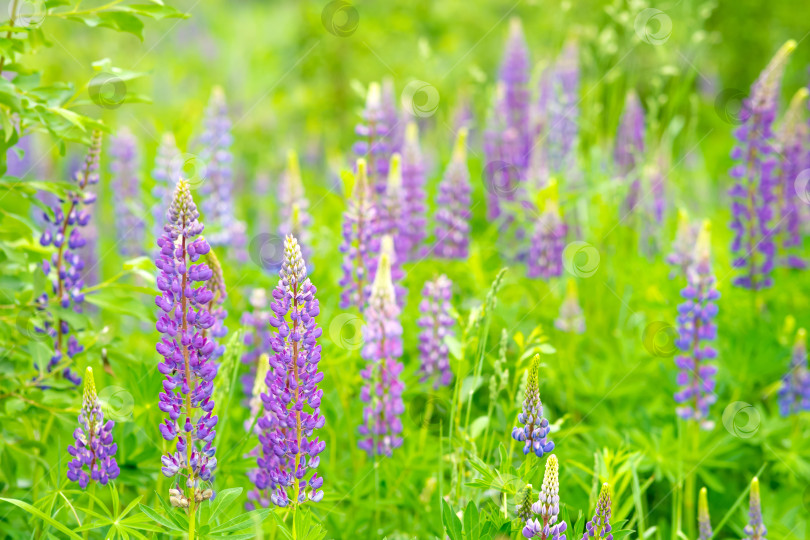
(374,146)
(391,115)
(753,195)
(257,340)
(599,527)
(524,505)
(260,422)
(436,324)
(514,74)
(794,395)
(295,218)
(183,320)
(125,187)
(165,173)
(704,521)
(94,449)
(289,450)
(629,148)
(682,256)
(755,530)
(547,507)
(453,202)
(696,330)
(793,159)
(414,177)
(63,231)
(504,175)
(563,115)
(216,305)
(571,319)
(382,392)
(360,242)
(535,429)
(548,239)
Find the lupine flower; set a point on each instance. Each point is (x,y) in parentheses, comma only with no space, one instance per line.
(391,115)
(289,450)
(186,351)
(295,218)
(755,175)
(374,146)
(539,169)
(257,340)
(524,504)
(414,177)
(63,230)
(696,330)
(535,429)
(502,153)
(682,256)
(387,245)
(630,148)
(515,74)
(793,159)
(794,395)
(125,187)
(360,242)
(453,202)
(563,132)
(165,173)
(755,530)
(20,165)
(571,319)
(259,416)
(382,392)
(217,187)
(94,449)
(548,239)
(436,324)
(547,507)
(216,305)
(704,522)
(392,212)
(599,527)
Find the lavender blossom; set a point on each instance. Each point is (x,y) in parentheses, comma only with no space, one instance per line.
(696,330)
(391,116)
(755,530)
(503,172)
(571,319)
(374,145)
(392,212)
(682,256)
(184,320)
(704,522)
(289,451)
(793,159)
(259,416)
(257,340)
(794,394)
(599,527)
(547,507)
(94,447)
(216,305)
(125,186)
(753,194)
(548,239)
(436,324)
(563,132)
(19,161)
(414,177)
(295,218)
(453,202)
(535,429)
(515,74)
(630,148)
(63,230)
(382,392)
(165,173)
(359,244)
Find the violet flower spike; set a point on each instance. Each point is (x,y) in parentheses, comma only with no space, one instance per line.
(793,158)
(295,217)
(94,450)
(381,430)
(125,187)
(436,324)
(290,453)
(257,340)
(259,422)
(682,256)
(563,116)
(515,74)
(599,527)
(755,530)
(453,206)
(545,258)
(794,394)
(535,429)
(414,178)
(704,521)
(503,173)
(629,148)
(186,350)
(374,145)
(216,305)
(547,507)
(165,173)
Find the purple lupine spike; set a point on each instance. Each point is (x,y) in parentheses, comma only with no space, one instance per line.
(414,178)
(453,201)
(793,159)
(599,528)
(125,187)
(257,337)
(535,429)
(696,331)
(215,153)
(436,324)
(187,365)
(794,394)
(755,530)
(63,230)
(165,173)
(547,507)
(545,258)
(215,306)
(682,256)
(260,422)
(289,451)
(380,432)
(629,148)
(563,133)
(19,161)
(374,146)
(295,218)
(503,172)
(753,197)
(391,116)
(704,521)
(515,74)
(360,242)
(571,319)
(392,212)
(463,114)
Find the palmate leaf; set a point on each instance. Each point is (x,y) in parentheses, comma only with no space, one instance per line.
(43,516)
(452,525)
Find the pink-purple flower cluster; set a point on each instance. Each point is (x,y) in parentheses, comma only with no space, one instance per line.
(599,528)
(629,149)
(794,158)
(374,145)
(125,186)
(414,176)
(257,340)
(755,530)
(453,201)
(436,324)
(794,394)
(545,257)
(547,507)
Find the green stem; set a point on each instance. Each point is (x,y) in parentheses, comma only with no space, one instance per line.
(88,515)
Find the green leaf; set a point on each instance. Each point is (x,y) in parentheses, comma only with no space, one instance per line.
(225,499)
(472,530)
(43,516)
(159,519)
(241,522)
(452,525)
